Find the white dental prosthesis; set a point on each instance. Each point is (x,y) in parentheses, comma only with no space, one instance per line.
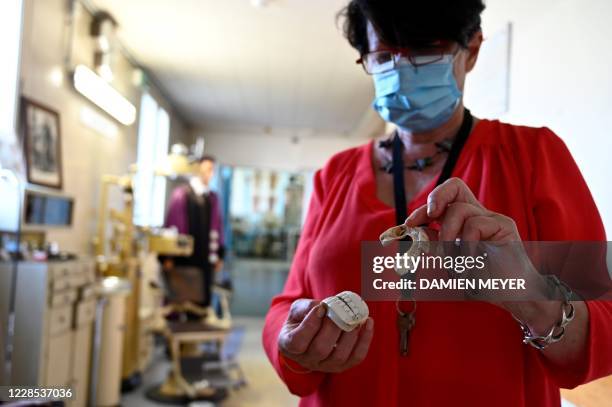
(347,310)
(418,242)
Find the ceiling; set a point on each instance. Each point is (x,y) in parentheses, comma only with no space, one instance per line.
(228,63)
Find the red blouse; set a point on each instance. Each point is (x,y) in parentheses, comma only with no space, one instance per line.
(461,353)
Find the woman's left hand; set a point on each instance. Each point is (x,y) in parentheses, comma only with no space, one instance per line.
(460,215)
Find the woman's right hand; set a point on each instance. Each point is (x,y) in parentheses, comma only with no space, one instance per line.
(317,344)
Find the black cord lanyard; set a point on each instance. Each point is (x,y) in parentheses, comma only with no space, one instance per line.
(399,191)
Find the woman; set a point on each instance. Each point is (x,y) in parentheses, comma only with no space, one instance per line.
(497,182)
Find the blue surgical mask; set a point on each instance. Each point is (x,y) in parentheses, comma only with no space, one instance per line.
(417,99)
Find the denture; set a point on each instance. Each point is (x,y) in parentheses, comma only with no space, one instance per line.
(347,310)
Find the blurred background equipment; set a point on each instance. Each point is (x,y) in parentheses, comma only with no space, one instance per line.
(44,209)
(201,367)
(107,352)
(195,326)
(10,211)
(54,313)
(122,253)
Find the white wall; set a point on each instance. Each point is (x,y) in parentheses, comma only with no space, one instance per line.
(278,150)
(86,154)
(561,77)
(10,29)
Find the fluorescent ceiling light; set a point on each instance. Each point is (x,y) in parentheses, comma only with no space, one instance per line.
(98,122)
(103,95)
(105,72)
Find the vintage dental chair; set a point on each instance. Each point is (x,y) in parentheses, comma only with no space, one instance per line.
(201,342)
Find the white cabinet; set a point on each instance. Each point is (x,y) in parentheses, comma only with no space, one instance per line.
(54,313)
(59,360)
(82,344)
(6,284)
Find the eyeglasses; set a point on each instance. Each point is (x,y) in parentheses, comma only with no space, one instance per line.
(378,62)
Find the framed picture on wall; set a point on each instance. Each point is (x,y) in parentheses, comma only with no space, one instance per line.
(42,144)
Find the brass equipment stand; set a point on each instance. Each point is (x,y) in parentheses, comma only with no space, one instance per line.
(120,254)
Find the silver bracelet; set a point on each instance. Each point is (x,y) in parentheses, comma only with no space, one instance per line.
(557,331)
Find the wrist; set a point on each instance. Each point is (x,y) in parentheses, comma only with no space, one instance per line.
(539,316)
(292,365)
(541,306)
(532,317)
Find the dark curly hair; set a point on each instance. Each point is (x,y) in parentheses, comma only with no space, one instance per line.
(411,23)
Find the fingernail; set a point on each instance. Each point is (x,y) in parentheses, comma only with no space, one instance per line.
(370,324)
(431,207)
(321,311)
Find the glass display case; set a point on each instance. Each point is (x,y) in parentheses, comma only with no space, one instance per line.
(266,210)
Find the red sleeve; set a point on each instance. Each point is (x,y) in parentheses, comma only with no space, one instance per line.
(564,210)
(301,384)
(564,207)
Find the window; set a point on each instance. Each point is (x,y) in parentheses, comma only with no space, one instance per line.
(10,32)
(153,139)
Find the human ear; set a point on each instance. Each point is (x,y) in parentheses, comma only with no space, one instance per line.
(473,50)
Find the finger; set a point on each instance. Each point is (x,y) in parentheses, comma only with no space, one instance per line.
(452,190)
(496,228)
(418,217)
(509,231)
(323,343)
(363,344)
(479,228)
(342,351)
(454,217)
(297,340)
(300,308)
